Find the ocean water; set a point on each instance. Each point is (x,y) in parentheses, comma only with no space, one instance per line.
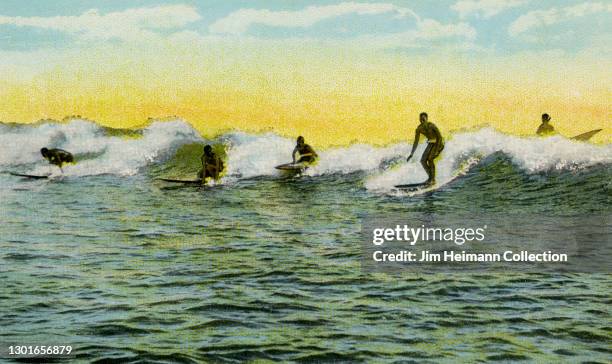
(264,266)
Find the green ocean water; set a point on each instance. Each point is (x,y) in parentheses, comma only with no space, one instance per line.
(268,268)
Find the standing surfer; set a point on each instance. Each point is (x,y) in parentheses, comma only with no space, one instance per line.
(307,154)
(211,164)
(435,144)
(57,157)
(545,128)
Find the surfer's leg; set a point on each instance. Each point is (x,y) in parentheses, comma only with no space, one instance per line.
(432,172)
(425,161)
(210,172)
(435,152)
(306,159)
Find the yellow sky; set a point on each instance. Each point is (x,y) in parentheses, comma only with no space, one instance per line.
(331,96)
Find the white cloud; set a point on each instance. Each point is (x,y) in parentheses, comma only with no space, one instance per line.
(539,18)
(432,29)
(136,23)
(485,8)
(239,21)
(427,33)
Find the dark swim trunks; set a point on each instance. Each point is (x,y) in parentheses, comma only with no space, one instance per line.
(307,159)
(433,150)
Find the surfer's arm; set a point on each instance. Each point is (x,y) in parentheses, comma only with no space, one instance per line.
(312,153)
(295,150)
(203,171)
(417,135)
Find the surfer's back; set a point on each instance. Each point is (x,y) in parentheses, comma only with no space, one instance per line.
(545,129)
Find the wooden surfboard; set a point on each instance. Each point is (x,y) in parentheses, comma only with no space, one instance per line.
(183,181)
(291,167)
(586,136)
(413,186)
(28,175)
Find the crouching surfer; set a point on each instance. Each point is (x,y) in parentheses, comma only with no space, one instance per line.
(58,157)
(435,145)
(307,155)
(212,165)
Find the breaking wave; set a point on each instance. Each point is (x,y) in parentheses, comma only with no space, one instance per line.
(532,155)
(96,149)
(100,150)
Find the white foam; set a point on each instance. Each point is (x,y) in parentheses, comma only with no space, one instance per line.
(256,155)
(359,157)
(251,156)
(109,154)
(533,155)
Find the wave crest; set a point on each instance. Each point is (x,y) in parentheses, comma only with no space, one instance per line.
(97,151)
(532,155)
(124,153)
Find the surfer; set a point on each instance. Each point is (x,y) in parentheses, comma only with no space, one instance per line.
(307,154)
(435,144)
(57,156)
(211,164)
(545,128)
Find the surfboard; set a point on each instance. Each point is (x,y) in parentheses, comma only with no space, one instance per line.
(413,186)
(586,136)
(296,167)
(28,175)
(183,181)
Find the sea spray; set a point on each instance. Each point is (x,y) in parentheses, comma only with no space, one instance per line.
(463,150)
(126,153)
(96,152)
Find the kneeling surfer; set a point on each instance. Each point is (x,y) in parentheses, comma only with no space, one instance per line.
(211,164)
(305,151)
(57,157)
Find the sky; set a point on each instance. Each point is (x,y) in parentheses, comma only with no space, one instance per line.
(336,72)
